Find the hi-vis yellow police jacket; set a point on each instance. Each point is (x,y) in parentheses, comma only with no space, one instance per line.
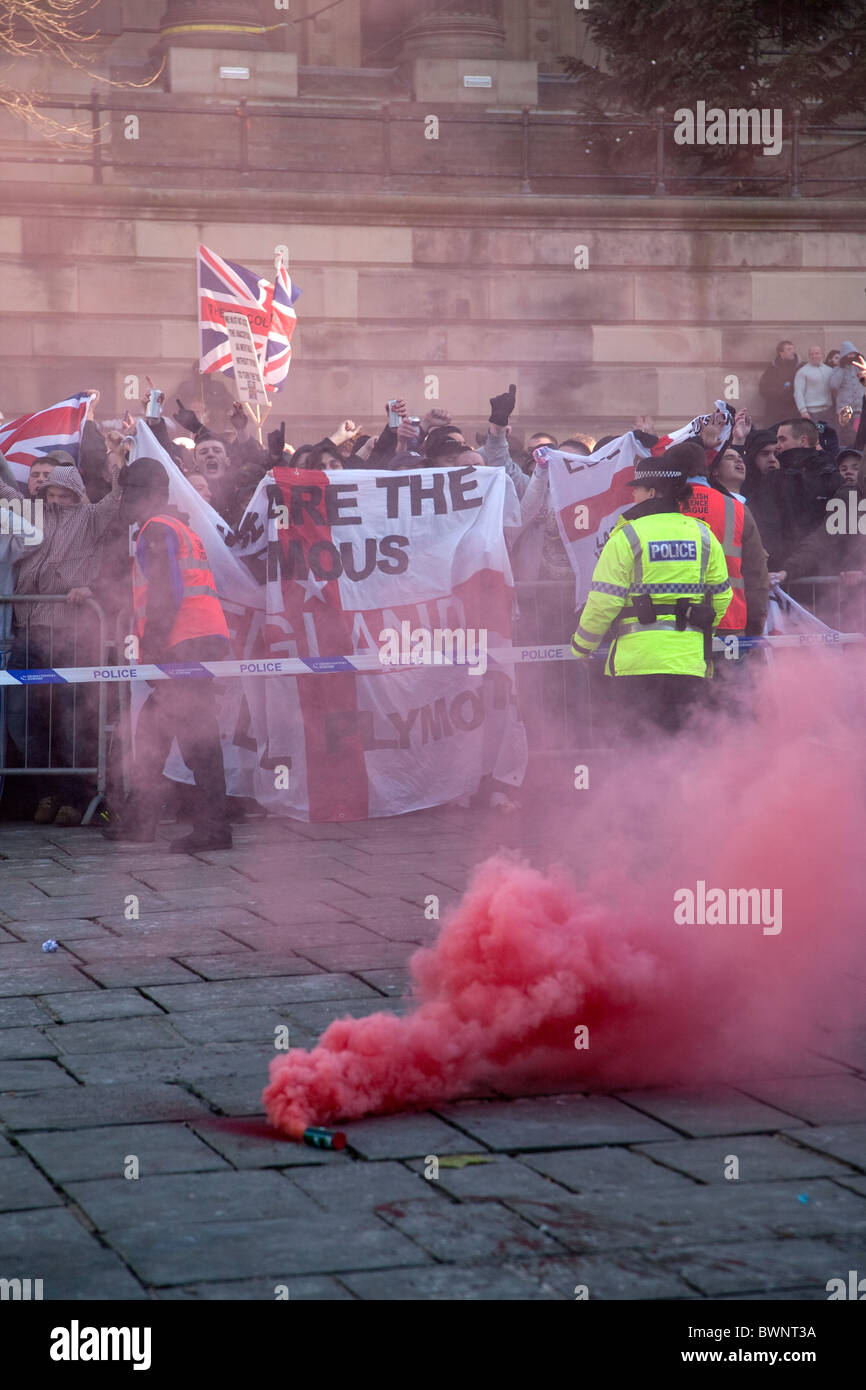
(668,556)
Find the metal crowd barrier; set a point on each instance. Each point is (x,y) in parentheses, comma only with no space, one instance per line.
(70,721)
(559,700)
(838,605)
(562,703)
(122,763)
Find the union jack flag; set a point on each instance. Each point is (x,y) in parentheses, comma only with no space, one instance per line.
(268,307)
(28,438)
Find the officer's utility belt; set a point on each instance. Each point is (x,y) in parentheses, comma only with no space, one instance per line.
(687,612)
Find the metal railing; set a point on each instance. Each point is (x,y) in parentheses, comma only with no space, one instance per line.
(839,605)
(54,719)
(518,140)
(559,701)
(564,704)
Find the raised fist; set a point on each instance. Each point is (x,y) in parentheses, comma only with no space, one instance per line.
(277,443)
(187,419)
(502,407)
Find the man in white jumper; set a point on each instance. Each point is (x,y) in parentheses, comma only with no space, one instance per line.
(812,388)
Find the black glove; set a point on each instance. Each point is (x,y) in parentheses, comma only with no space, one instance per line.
(277,443)
(159,429)
(649,441)
(502,406)
(187,419)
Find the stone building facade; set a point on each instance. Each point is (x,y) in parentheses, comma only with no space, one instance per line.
(448,236)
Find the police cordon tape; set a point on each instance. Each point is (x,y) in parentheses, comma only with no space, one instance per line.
(371,663)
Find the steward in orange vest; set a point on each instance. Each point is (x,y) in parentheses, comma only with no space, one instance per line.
(725,517)
(199,612)
(177,617)
(735,529)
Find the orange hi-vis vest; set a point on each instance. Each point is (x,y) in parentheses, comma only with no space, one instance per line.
(200,613)
(725,517)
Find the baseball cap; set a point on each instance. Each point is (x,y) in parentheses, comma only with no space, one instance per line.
(145,475)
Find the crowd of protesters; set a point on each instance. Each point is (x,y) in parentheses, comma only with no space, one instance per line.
(823,388)
(803,451)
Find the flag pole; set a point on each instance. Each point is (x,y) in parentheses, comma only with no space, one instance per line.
(259,417)
(254,411)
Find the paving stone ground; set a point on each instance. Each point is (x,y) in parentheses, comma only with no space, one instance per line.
(143,1043)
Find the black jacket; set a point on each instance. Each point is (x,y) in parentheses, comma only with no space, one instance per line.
(92,458)
(790,501)
(811,479)
(828,552)
(231,495)
(777,388)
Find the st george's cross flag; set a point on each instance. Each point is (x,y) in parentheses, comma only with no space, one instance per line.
(321,564)
(345,558)
(590,493)
(31,437)
(226,287)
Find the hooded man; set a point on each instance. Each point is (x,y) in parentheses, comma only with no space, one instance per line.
(41,469)
(762,490)
(847,389)
(177,618)
(19,534)
(48,635)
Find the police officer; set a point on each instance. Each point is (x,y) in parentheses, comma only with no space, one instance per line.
(661,586)
(177,617)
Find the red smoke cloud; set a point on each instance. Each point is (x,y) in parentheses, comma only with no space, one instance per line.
(772,802)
